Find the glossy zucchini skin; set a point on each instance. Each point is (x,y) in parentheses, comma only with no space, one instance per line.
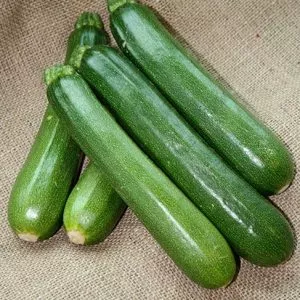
(89,34)
(255,229)
(238,136)
(187,236)
(93,208)
(38,197)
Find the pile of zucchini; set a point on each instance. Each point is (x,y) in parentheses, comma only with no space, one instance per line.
(164,138)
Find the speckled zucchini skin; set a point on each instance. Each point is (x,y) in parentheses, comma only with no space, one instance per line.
(93,208)
(256,230)
(179,227)
(41,189)
(38,197)
(247,145)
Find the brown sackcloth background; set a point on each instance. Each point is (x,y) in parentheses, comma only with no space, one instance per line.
(253,46)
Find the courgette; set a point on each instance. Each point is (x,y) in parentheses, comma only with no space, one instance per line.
(89,30)
(188,237)
(38,197)
(255,229)
(239,137)
(93,208)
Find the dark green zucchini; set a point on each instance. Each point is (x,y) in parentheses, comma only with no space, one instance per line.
(256,230)
(38,197)
(188,237)
(93,208)
(89,30)
(248,145)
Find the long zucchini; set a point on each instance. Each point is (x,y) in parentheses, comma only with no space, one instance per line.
(93,207)
(248,145)
(255,229)
(38,197)
(180,228)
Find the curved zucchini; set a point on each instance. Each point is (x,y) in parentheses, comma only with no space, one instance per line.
(188,237)
(93,208)
(256,230)
(38,197)
(248,145)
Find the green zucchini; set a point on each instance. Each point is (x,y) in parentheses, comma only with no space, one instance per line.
(93,208)
(255,229)
(188,237)
(38,197)
(89,30)
(247,145)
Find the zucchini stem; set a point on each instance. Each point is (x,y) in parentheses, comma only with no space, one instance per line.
(57,71)
(89,19)
(76,57)
(115,4)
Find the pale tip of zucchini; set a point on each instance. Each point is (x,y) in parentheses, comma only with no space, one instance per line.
(89,19)
(28,237)
(76,237)
(283,189)
(115,4)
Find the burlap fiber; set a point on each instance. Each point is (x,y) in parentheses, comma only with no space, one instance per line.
(253,46)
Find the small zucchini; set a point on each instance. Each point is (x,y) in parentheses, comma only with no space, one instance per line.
(248,145)
(38,197)
(188,237)
(93,208)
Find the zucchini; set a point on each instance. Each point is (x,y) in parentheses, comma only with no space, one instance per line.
(38,197)
(188,237)
(42,186)
(255,229)
(249,147)
(93,208)
(89,30)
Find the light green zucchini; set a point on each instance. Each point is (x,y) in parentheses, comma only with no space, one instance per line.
(38,197)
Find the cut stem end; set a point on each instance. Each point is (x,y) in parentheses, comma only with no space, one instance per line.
(115,4)
(57,71)
(89,19)
(76,57)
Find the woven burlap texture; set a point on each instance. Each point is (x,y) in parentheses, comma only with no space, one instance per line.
(252,46)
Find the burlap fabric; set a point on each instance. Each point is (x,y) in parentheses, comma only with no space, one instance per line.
(253,46)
